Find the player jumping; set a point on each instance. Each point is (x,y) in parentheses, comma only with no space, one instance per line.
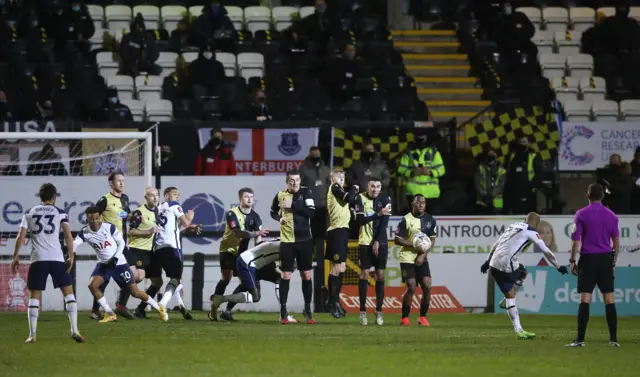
(109,245)
(508,272)
(44,223)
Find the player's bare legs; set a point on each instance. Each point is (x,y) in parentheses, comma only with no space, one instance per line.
(95,310)
(407,298)
(425,284)
(152,291)
(94,287)
(144,297)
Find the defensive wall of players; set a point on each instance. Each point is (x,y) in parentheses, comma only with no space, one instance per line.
(461,248)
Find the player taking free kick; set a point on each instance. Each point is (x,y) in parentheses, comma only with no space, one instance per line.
(44,223)
(109,245)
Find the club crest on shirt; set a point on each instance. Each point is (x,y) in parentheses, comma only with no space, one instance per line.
(232,224)
(289,144)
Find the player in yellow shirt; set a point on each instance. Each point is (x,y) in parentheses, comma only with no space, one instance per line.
(414,265)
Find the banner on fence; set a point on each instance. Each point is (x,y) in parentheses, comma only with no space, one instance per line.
(14,295)
(588,146)
(442,301)
(266,151)
(545,291)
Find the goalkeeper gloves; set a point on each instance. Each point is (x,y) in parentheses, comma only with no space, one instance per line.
(485,267)
(563,270)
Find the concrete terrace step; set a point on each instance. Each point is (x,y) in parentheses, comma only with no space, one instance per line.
(444,82)
(462,116)
(440,70)
(404,35)
(430,94)
(444,47)
(462,106)
(435,59)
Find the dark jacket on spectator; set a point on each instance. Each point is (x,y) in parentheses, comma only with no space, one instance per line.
(213,19)
(72,24)
(212,160)
(138,49)
(315,175)
(362,170)
(206,72)
(619,183)
(635,192)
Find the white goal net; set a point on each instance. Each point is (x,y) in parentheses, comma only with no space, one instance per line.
(78,164)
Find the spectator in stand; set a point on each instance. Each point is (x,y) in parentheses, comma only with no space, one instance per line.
(345,70)
(39,41)
(174,89)
(112,109)
(616,178)
(489,183)
(46,163)
(523,178)
(422,167)
(216,158)
(635,176)
(514,31)
(206,74)
(318,27)
(73,25)
(369,165)
(213,25)
(259,110)
(5,113)
(112,162)
(169,163)
(619,33)
(23,92)
(7,167)
(138,50)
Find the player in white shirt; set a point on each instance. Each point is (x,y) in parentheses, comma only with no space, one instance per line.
(109,245)
(44,223)
(508,272)
(168,249)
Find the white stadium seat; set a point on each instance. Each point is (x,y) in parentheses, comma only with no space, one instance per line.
(634,12)
(118,16)
(282,17)
(151,15)
(97,38)
(604,110)
(189,56)
(149,87)
(97,15)
(124,84)
(159,110)
(236,15)
(119,33)
(568,42)
(307,11)
(250,64)
(228,61)
(582,18)
(167,60)
(580,65)
(106,66)
(544,40)
(553,65)
(257,18)
(136,107)
(630,110)
(196,11)
(607,11)
(593,89)
(533,14)
(555,18)
(566,88)
(577,111)
(171,16)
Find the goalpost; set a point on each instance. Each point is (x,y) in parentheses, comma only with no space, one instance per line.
(78,164)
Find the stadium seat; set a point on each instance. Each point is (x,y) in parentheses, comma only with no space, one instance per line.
(553,65)
(167,60)
(236,15)
(148,87)
(282,17)
(604,110)
(257,18)
(171,16)
(159,110)
(97,15)
(607,11)
(568,42)
(98,38)
(250,64)
(151,15)
(307,11)
(118,17)
(582,18)
(106,66)
(555,18)
(577,111)
(119,33)
(189,56)
(580,65)
(195,11)
(630,110)
(136,107)
(228,60)
(533,14)
(544,41)
(124,84)
(593,88)
(566,88)
(634,12)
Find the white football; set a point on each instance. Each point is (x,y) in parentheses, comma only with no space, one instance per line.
(421,242)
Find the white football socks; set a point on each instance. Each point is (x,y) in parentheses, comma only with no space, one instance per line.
(513,314)
(178,295)
(168,293)
(153,303)
(72,312)
(105,306)
(34,310)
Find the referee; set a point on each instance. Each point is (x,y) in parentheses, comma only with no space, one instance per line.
(595,229)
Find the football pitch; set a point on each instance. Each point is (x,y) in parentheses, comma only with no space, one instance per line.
(257,345)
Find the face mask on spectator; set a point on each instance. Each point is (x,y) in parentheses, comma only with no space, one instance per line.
(368,156)
(207,55)
(113,100)
(215,141)
(507,10)
(75,7)
(314,159)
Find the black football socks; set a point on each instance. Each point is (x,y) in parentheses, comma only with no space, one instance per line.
(612,321)
(220,287)
(379,295)
(363,286)
(583,319)
(152,291)
(284,296)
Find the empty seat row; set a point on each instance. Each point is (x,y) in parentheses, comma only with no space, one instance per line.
(246,64)
(563,42)
(560,65)
(251,18)
(589,89)
(578,18)
(602,110)
(153,110)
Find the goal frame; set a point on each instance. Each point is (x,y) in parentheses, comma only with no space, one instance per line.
(146,136)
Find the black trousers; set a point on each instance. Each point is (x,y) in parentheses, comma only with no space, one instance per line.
(319,224)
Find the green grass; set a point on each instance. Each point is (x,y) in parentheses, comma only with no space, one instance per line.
(456,345)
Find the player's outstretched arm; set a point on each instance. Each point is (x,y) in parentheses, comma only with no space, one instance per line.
(535,237)
(68,240)
(16,248)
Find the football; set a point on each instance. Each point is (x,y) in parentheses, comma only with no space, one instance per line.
(421,242)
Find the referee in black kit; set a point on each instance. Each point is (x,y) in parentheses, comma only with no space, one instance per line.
(594,231)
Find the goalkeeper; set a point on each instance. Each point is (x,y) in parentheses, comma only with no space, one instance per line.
(413,263)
